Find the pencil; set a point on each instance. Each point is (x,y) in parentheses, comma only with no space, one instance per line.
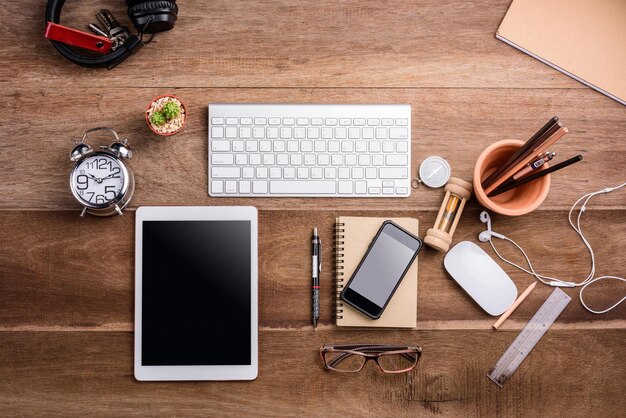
(535,176)
(517,302)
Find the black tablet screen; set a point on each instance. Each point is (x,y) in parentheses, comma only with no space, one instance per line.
(196,293)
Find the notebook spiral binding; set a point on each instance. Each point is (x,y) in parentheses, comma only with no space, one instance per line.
(338,250)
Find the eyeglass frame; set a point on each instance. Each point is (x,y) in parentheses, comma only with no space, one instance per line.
(380,350)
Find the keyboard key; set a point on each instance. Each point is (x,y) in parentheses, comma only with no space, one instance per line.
(375,146)
(302,187)
(358,173)
(245,121)
(265,146)
(359,121)
(261,172)
(402,190)
(341,133)
(248,172)
(273,121)
(347,146)
(373,121)
(282,159)
(387,122)
(330,172)
(292,146)
(222,159)
(220,145)
(381,133)
(364,159)
(368,133)
(296,159)
(323,159)
(241,159)
(344,172)
(387,190)
(309,159)
(336,159)
(217,132)
(319,146)
(392,173)
(238,146)
(276,172)
(272,132)
(302,121)
(370,173)
(231,132)
(289,173)
(345,187)
(327,133)
(255,159)
(360,146)
(245,132)
(225,172)
(285,133)
(232,121)
(402,146)
(289,121)
(299,133)
(317,172)
(313,133)
(258,132)
(396,159)
(334,146)
(331,121)
(398,133)
(269,159)
(402,122)
(260,121)
(231,186)
(317,121)
(217,186)
(360,187)
(252,146)
(377,159)
(279,146)
(303,172)
(345,121)
(217,121)
(387,183)
(350,159)
(244,186)
(306,146)
(259,187)
(354,133)
(387,146)
(374,190)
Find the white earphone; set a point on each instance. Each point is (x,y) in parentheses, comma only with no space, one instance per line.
(485,236)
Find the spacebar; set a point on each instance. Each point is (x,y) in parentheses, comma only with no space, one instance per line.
(302,187)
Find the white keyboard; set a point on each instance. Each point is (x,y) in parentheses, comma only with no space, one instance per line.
(309,150)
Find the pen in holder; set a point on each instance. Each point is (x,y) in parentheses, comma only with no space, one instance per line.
(458,192)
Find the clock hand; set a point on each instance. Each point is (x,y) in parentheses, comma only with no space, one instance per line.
(95,178)
(434,172)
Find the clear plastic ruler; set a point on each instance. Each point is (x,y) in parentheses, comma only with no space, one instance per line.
(528,338)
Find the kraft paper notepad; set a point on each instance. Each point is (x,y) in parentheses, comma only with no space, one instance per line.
(585,39)
(352,237)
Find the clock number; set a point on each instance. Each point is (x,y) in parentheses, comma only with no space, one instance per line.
(82,180)
(109,189)
(100,199)
(102,164)
(91,195)
(116,171)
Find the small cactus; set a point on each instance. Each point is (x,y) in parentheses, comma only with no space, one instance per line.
(157,118)
(170,110)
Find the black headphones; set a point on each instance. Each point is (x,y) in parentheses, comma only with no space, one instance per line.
(146,17)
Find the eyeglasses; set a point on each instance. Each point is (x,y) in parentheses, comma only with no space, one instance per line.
(351,358)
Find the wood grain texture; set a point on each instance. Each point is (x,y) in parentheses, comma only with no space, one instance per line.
(325,43)
(66,283)
(456,124)
(92,375)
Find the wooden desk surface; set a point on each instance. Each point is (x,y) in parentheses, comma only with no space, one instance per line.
(66,283)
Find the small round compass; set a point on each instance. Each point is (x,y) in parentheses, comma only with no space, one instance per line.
(434,172)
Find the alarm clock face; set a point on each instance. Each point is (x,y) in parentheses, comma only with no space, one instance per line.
(98,179)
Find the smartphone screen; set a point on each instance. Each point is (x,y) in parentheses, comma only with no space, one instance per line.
(381,270)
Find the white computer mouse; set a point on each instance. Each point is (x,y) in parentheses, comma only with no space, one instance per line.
(481,277)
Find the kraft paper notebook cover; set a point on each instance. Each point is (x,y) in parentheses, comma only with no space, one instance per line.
(585,39)
(352,237)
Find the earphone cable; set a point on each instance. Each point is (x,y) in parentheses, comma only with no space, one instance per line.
(552,281)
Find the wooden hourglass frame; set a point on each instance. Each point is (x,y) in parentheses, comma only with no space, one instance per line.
(458,192)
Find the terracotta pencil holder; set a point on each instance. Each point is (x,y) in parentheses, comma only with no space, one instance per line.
(515,202)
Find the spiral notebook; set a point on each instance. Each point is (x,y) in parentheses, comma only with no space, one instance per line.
(352,237)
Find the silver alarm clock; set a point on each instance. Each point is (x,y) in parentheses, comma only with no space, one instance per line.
(101,181)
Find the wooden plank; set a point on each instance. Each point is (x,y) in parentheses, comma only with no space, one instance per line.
(59,271)
(456,124)
(321,43)
(73,373)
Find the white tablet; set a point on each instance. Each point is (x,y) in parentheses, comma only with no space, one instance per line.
(196,279)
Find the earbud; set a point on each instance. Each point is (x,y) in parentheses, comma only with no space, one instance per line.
(486,235)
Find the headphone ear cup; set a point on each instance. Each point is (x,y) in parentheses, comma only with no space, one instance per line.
(153,16)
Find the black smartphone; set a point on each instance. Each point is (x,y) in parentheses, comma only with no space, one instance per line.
(375,280)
